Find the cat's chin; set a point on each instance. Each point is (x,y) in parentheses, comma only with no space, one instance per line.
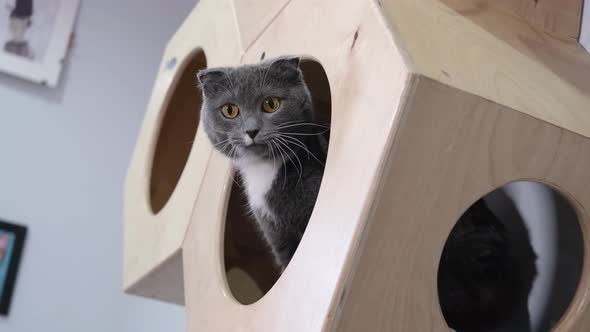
(255,151)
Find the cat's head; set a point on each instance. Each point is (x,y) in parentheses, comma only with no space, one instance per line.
(247,108)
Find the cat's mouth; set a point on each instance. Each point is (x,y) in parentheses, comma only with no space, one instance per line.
(257,148)
(253,142)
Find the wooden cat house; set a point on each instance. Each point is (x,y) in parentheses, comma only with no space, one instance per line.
(433,104)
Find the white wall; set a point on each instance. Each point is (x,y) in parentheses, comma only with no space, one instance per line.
(63,158)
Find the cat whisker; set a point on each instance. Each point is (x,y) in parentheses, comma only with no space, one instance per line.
(263,84)
(261,73)
(306,134)
(235,152)
(280,146)
(221,142)
(288,122)
(231,175)
(221,132)
(284,162)
(228,143)
(302,124)
(274,157)
(231,84)
(300,171)
(300,144)
(224,147)
(231,149)
(272,151)
(232,156)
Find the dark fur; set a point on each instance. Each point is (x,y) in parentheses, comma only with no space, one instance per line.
(483,278)
(292,195)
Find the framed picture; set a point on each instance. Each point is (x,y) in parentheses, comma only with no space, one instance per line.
(35,36)
(12,240)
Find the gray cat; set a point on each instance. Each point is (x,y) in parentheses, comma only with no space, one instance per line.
(261,117)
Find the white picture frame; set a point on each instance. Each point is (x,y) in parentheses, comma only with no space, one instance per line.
(51,37)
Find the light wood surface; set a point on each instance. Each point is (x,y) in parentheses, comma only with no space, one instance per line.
(434,104)
(560,18)
(468,146)
(176,133)
(493,54)
(160,193)
(303,298)
(253,16)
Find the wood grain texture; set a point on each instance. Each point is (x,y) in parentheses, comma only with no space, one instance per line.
(153,240)
(434,104)
(305,296)
(560,18)
(450,149)
(489,52)
(253,16)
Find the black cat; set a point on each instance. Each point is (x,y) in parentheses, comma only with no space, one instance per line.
(485,274)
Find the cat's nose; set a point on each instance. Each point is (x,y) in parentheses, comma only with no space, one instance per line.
(252,133)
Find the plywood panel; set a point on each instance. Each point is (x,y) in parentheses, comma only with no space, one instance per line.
(492,53)
(254,16)
(451,148)
(153,236)
(366,72)
(560,18)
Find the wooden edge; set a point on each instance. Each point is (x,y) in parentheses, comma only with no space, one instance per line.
(152,239)
(354,252)
(164,282)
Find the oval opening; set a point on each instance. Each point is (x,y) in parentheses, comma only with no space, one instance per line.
(249,264)
(177,131)
(512,262)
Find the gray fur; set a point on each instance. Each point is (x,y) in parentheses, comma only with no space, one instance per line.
(289,141)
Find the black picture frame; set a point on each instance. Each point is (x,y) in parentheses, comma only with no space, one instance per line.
(11,259)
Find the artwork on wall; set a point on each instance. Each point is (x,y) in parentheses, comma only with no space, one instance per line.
(35,36)
(12,240)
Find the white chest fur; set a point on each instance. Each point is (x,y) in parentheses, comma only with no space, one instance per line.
(258,176)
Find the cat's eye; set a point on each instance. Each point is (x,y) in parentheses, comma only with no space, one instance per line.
(230,111)
(271,104)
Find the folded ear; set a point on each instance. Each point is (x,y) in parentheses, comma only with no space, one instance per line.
(287,68)
(207,75)
(212,81)
(287,61)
